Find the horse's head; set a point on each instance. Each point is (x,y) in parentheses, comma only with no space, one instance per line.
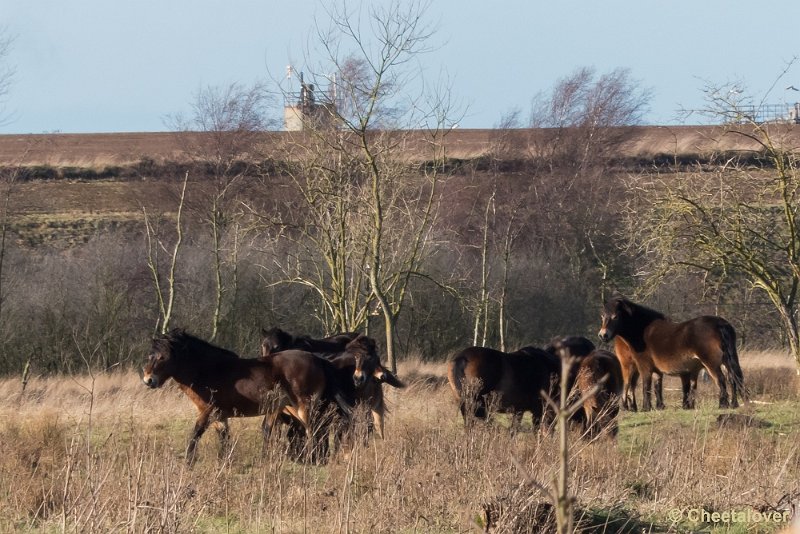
(366,359)
(570,347)
(613,311)
(161,363)
(274,340)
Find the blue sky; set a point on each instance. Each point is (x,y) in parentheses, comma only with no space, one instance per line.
(112,66)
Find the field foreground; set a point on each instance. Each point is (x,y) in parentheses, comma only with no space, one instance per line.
(105,454)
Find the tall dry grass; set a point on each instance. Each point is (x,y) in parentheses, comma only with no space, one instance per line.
(105,454)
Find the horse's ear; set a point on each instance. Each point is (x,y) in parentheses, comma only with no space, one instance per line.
(627,306)
(176,332)
(264,332)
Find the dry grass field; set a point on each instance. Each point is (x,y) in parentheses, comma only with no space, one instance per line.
(104,454)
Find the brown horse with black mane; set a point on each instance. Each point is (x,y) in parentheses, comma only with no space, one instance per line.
(355,359)
(661,346)
(222,385)
(517,379)
(595,375)
(579,347)
(599,383)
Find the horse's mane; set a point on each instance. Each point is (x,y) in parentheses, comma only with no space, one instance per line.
(641,311)
(279,339)
(180,343)
(529,350)
(364,343)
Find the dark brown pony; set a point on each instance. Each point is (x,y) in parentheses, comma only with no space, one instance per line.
(661,346)
(222,385)
(368,376)
(517,379)
(599,383)
(596,377)
(357,365)
(575,348)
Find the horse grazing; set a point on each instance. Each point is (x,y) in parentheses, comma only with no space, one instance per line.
(357,365)
(661,346)
(517,379)
(222,385)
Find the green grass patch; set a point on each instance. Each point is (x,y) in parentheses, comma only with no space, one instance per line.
(638,429)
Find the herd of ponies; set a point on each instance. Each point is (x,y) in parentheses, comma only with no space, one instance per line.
(317,386)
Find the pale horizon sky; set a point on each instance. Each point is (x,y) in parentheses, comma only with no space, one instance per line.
(89,66)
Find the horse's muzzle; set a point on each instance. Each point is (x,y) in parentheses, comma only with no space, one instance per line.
(150,381)
(358,379)
(603,335)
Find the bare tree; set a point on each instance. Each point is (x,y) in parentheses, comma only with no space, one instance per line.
(6,72)
(585,119)
(370,112)
(9,175)
(586,116)
(156,245)
(227,123)
(737,221)
(323,220)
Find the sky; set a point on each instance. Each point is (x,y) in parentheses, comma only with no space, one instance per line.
(90,66)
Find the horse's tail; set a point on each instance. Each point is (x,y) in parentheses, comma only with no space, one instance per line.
(455,375)
(730,357)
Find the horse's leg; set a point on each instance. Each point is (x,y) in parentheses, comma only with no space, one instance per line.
(223,431)
(630,395)
(647,385)
(200,426)
(300,413)
(481,408)
(627,380)
(516,421)
(378,420)
(734,387)
(659,387)
(693,387)
(686,388)
(718,377)
(321,417)
(269,422)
